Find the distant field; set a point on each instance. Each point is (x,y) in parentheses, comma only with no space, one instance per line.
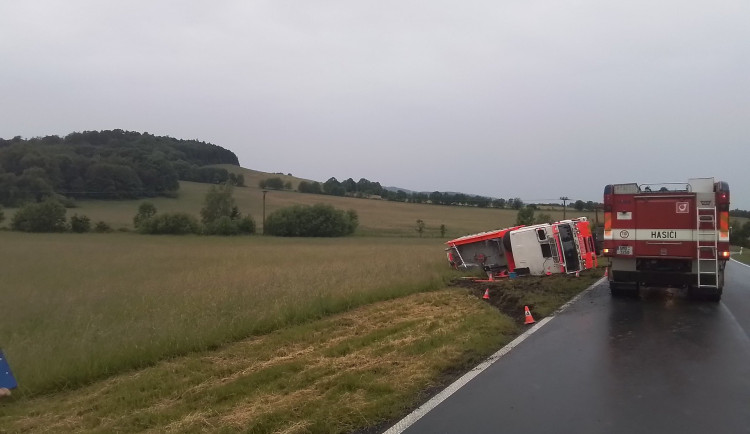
(78,307)
(377,217)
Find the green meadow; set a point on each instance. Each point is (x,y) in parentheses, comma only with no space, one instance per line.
(102,303)
(128,332)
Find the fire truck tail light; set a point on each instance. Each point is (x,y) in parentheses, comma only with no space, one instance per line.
(724,254)
(606,251)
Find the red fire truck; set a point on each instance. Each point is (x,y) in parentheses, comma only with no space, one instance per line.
(673,234)
(562,247)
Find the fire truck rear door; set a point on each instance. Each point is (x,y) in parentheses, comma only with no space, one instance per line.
(664,226)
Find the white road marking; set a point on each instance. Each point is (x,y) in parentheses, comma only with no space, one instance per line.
(741,263)
(736,323)
(428,406)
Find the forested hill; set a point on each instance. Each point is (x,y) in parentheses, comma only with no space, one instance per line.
(108,164)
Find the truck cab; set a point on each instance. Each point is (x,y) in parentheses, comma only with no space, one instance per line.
(561,247)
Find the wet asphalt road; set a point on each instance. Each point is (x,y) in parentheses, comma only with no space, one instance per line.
(659,364)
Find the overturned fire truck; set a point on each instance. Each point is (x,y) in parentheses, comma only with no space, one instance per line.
(672,234)
(567,246)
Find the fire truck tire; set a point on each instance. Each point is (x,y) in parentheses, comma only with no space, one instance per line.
(506,242)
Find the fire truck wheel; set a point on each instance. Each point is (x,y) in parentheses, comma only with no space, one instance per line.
(506,242)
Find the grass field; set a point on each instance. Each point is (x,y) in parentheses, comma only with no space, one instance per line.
(128,332)
(101,303)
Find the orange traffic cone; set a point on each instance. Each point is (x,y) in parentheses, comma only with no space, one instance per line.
(529,318)
(606,272)
(486,294)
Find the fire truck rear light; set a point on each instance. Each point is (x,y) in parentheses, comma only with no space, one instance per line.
(606,251)
(724,254)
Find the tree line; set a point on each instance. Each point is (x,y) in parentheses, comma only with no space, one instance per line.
(368,189)
(109,164)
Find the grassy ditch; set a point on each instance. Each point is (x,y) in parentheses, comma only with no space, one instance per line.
(744,257)
(339,374)
(543,295)
(351,371)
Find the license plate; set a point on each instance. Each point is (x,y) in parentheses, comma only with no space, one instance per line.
(624,250)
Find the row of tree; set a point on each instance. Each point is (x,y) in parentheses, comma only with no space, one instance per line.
(111,164)
(366,188)
(219,216)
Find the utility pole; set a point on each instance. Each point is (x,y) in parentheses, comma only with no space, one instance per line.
(264,211)
(564,199)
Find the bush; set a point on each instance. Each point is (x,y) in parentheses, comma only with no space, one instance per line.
(227,226)
(145,211)
(80,224)
(177,223)
(525,216)
(221,226)
(246,225)
(47,216)
(220,215)
(219,203)
(273,183)
(102,227)
(311,221)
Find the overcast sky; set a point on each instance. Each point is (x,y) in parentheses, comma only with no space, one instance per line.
(529,98)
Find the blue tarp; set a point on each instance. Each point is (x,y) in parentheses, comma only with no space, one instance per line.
(6,377)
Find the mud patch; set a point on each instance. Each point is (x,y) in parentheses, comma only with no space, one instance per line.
(542,294)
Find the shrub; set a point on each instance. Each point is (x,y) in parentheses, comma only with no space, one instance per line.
(227,226)
(218,203)
(145,211)
(246,225)
(220,215)
(102,227)
(221,226)
(80,224)
(272,183)
(311,221)
(177,223)
(47,216)
(525,216)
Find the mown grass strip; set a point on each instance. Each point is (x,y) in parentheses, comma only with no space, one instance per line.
(338,374)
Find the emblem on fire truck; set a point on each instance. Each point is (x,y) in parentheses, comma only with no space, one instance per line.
(682,207)
(624,234)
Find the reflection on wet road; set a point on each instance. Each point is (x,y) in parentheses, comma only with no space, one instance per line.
(661,363)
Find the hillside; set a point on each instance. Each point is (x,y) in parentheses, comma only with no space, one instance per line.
(112,164)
